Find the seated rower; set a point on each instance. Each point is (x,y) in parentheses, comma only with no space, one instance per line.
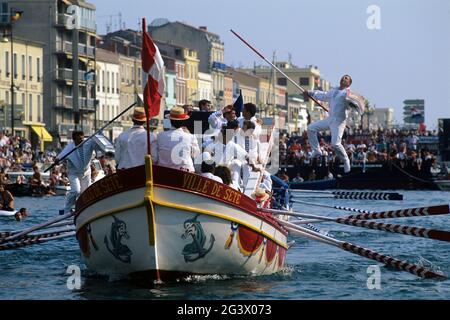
(131,145)
(176,147)
(208,167)
(224,173)
(228,153)
(6,199)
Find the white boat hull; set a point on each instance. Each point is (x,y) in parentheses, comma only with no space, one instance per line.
(181,232)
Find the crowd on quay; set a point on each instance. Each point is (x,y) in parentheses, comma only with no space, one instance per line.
(399,147)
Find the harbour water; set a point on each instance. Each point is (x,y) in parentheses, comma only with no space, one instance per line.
(314,270)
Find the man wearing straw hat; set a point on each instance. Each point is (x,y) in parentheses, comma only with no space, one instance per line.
(176,147)
(335,122)
(131,145)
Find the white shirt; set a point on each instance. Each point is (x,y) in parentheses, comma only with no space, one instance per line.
(175,148)
(225,154)
(131,147)
(216,120)
(258,128)
(78,162)
(211,176)
(250,145)
(337,100)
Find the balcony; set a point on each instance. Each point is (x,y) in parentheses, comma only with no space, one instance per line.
(219,66)
(66,102)
(65,74)
(64,47)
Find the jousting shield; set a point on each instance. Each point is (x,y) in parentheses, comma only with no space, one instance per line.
(356,101)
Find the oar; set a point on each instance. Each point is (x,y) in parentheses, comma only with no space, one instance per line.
(364,252)
(36,227)
(395,228)
(279,70)
(34,240)
(4,234)
(85,140)
(399,213)
(352,194)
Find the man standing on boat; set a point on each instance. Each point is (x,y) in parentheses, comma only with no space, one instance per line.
(248,114)
(176,147)
(78,166)
(335,122)
(131,145)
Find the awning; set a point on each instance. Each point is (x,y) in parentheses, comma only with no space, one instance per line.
(42,133)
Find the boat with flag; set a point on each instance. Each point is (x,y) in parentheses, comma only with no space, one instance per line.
(164,222)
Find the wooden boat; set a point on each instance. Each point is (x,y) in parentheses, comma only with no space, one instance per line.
(168,223)
(190,225)
(443,185)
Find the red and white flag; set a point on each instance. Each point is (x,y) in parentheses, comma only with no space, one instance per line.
(153,66)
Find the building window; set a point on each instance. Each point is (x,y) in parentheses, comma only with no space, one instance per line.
(139,77)
(23,67)
(108,84)
(30,106)
(15,65)
(282,81)
(38,69)
(7,64)
(30,67)
(103,81)
(39,108)
(117,82)
(304,81)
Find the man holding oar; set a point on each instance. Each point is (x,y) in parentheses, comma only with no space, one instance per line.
(79,166)
(335,122)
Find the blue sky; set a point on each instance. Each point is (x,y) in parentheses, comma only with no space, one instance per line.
(408,58)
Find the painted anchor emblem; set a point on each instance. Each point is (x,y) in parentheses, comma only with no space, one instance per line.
(195,250)
(118,232)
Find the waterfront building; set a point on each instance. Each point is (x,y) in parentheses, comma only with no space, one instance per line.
(205,89)
(305,77)
(208,45)
(68,57)
(26,73)
(108,90)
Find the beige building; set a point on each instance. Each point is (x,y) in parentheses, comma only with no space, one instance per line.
(131,78)
(26,70)
(305,77)
(382,118)
(191,72)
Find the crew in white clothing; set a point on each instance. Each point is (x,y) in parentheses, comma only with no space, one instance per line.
(220,118)
(226,152)
(252,146)
(176,147)
(131,145)
(335,122)
(78,166)
(248,113)
(208,167)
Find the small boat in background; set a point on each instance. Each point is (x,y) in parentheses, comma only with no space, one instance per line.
(314,185)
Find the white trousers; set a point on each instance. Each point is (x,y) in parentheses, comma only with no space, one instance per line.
(336,127)
(78,184)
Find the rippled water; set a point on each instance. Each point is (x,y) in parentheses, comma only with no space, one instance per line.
(314,270)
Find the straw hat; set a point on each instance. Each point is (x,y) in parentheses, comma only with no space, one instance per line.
(260,195)
(139,114)
(178,113)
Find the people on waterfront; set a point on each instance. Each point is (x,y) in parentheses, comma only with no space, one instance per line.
(131,145)
(176,148)
(6,199)
(78,166)
(335,122)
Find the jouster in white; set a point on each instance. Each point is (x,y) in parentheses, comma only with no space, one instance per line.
(335,122)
